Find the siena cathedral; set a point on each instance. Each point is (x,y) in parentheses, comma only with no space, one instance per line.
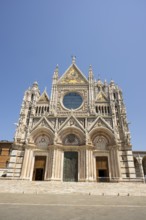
(79,133)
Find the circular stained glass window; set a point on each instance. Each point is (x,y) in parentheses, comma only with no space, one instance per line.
(72,100)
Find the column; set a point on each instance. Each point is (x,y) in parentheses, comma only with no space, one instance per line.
(139,159)
(115,164)
(57,161)
(89,165)
(82,165)
(49,164)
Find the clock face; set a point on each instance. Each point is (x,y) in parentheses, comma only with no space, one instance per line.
(72,100)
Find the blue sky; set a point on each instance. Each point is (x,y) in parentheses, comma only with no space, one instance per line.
(35,35)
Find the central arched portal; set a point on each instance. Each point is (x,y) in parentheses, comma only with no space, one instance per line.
(70,168)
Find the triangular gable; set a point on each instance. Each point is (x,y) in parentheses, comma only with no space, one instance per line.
(43,122)
(73,76)
(100,122)
(101,97)
(43,98)
(71,121)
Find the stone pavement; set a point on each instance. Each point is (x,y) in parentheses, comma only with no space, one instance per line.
(71,207)
(46,187)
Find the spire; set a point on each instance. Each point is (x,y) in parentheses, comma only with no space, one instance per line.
(99,82)
(112,83)
(90,75)
(34,86)
(73,59)
(105,82)
(56,72)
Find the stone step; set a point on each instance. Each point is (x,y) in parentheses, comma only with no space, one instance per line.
(46,187)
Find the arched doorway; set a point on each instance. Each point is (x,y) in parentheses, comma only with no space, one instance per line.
(70,167)
(102,167)
(39,168)
(102,170)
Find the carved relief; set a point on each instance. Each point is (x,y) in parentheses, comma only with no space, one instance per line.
(100,143)
(35,121)
(72,140)
(61,121)
(82,121)
(90,121)
(71,123)
(43,124)
(109,122)
(73,77)
(52,121)
(42,141)
(101,97)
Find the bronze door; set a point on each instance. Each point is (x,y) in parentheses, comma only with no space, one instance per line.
(102,172)
(39,168)
(70,169)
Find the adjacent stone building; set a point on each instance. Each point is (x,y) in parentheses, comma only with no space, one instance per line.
(5,149)
(79,133)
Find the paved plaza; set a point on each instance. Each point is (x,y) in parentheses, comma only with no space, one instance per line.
(71,207)
(37,200)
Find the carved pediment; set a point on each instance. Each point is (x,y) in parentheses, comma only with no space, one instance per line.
(73,76)
(101,97)
(43,122)
(71,122)
(52,121)
(100,122)
(43,98)
(90,121)
(61,121)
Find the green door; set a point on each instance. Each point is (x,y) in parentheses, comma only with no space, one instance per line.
(70,169)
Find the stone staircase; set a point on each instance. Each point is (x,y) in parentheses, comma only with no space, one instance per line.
(45,187)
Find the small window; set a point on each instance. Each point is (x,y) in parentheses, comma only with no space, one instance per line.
(36,110)
(42,110)
(114,95)
(108,109)
(102,109)
(32,97)
(27,122)
(99,110)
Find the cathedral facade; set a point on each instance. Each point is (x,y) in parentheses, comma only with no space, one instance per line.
(79,133)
